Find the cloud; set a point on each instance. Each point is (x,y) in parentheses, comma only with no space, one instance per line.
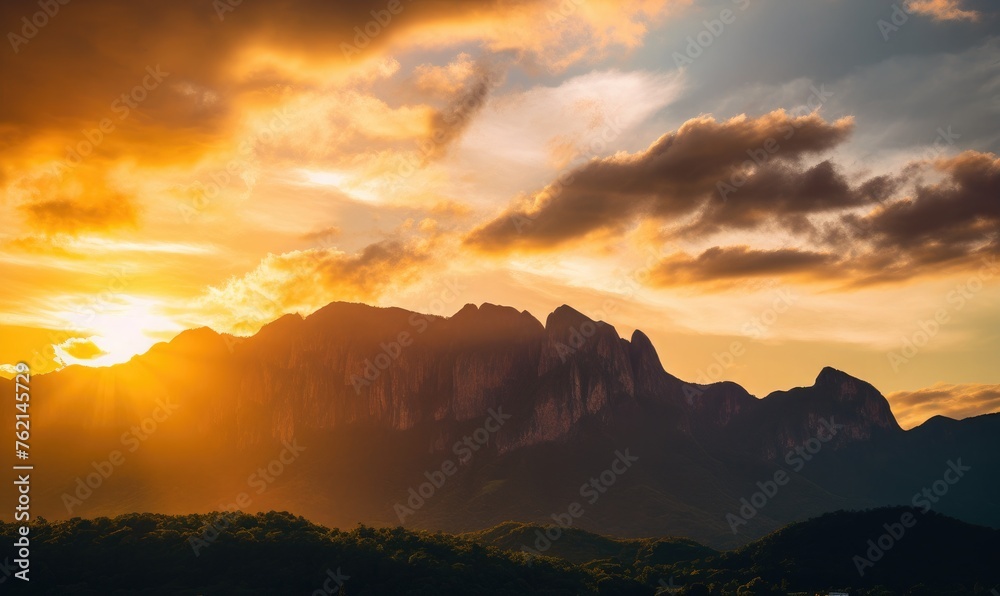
(943,225)
(554,36)
(225,74)
(679,173)
(722,266)
(450,210)
(72,215)
(942,10)
(34,345)
(448,124)
(782,195)
(81,62)
(303,281)
(714,180)
(445,80)
(72,200)
(913,408)
(80,349)
(960,211)
(521,135)
(323,237)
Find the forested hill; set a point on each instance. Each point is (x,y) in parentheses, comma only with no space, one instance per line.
(278,553)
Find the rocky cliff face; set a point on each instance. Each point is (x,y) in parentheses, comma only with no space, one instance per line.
(349,364)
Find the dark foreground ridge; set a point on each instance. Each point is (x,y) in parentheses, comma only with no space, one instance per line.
(278,553)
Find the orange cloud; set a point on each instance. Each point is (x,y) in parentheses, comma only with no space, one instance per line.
(73,200)
(445,80)
(69,215)
(303,281)
(81,349)
(33,345)
(215,65)
(913,408)
(942,10)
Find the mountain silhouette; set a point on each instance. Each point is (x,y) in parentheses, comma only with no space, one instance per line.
(387,417)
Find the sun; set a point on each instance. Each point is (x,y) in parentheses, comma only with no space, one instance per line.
(115,333)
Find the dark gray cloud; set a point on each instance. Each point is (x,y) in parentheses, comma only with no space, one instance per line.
(449,123)
(943,225)
(678,174)
(929,217)
(782,195)
(948,225)
(962,210)
(726,265)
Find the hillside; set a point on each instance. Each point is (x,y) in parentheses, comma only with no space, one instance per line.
(277,553)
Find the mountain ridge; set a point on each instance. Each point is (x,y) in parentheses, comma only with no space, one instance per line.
(564,318)
(382,396)
(562,325)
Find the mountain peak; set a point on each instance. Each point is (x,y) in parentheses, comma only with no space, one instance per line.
(856,399)
(938,421)
(201,341)
(284,321)
(641,340)
(830,376)
(644,356)
(488,310)
(197,334)
(845,387)
(468,310)
(493,322)
(566,317)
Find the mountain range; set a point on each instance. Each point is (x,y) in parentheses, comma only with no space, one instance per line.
(357,414)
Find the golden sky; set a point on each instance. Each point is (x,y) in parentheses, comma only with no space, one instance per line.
(801,179)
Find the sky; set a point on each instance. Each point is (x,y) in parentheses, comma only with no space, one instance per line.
(764,187)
